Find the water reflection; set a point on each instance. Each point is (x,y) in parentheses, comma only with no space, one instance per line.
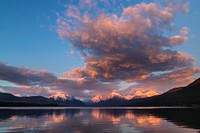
(100,120)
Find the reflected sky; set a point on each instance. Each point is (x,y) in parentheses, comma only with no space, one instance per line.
(100,120)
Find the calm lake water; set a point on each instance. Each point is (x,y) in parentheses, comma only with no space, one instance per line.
(100,120)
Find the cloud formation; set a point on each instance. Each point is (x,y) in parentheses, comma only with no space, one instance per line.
(184,31)
(34,82)
(129,46)
(133,43)
(24,76)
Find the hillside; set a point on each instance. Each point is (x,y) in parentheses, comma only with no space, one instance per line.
(7,99)
(181,96)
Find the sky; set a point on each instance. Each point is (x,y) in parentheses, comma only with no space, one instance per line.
(88,48)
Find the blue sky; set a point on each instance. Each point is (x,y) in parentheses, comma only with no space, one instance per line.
(28,32)
(29,38)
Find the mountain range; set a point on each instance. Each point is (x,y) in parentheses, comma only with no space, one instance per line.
(7,99)
(181,96)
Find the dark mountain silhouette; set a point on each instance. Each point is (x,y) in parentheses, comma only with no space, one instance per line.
(7,99)
(181,96)
(70,101)
(114,101)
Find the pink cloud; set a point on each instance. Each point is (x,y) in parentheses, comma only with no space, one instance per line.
(131,46)
(177,39)
(184,31)
(134,45)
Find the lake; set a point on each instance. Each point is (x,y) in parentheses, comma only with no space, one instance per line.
(99,120)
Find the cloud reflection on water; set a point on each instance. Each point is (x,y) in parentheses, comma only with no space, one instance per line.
(98,120)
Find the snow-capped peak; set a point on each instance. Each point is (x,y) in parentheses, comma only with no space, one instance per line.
(141,94)
(137,94)
(97,98)
(114,94)
(61,96)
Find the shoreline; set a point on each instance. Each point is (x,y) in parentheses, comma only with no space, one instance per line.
(66,108)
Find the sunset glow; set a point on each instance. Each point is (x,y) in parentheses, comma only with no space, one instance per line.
(100,66)
(98,49)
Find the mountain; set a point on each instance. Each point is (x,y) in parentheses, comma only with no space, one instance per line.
(67,101)
(7,99)
(115,99)
(181,96)
(139,94)
(97,98)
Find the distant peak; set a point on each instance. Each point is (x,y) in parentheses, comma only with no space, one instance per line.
(59,96)
(114,95)
(97,98)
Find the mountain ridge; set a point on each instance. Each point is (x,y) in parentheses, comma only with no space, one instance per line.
(7,99)
(180,96)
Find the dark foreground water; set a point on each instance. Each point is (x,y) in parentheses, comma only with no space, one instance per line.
(100,120)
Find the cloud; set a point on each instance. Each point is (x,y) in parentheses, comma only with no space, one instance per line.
(24,76)
(184,31)
(84,88)
(129,46)
(177,39)
(34,82)
(28,91)
(133,43)
(165,81)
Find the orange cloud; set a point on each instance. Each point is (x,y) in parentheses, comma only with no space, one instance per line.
(134,45)
(127,47)
(177,39)
(184,31)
